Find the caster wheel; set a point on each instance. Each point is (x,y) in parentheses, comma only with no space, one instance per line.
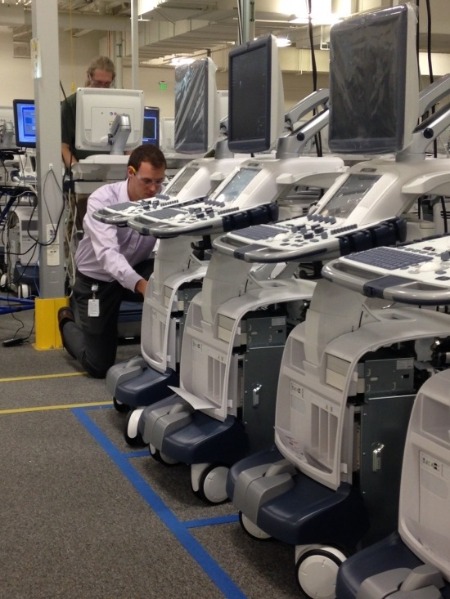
(160,457)
(132,435)
(212,484)
(251,529)
(23,291)
(316,572)
(121,407)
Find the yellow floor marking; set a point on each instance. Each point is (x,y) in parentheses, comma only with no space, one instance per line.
(36,377)
(58,407)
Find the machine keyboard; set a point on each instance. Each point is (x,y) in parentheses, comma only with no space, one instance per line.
(296,233)
(259,232)
(389,258)
(417,273)
(166,213)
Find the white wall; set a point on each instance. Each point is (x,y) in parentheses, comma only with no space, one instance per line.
(15,73)
(75,54)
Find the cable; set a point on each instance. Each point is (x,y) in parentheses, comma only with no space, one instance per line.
(240,24)
(318,136)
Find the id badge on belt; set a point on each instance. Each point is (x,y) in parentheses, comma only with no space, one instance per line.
(94,302)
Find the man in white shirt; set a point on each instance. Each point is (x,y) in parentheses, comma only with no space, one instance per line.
(113,264)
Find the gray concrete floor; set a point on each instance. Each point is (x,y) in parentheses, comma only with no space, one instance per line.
(83,515)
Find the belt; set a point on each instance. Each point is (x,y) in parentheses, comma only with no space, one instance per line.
(87,279)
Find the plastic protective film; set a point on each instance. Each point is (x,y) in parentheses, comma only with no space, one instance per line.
(193,86)
(367,83)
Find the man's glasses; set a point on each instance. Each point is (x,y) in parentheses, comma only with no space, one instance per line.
(95,83)
(146,181)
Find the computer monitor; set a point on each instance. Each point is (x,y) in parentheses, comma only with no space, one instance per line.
(256,97)
(196,107)
(151,126)
(96,111)
(374,85)
(24,123)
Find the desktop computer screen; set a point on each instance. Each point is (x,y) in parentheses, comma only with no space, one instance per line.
(151,126)
(24,123)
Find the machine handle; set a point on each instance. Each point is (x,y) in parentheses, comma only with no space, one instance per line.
(390,287)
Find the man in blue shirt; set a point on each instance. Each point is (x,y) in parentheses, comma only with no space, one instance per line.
(113,263)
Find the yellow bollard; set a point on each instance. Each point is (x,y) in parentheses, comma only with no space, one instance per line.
(47,335)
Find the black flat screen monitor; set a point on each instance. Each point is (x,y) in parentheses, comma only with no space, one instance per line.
(151,126)
(24,123)
(255,96)
(374,86)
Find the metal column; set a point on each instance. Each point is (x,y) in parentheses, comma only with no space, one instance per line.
(45,63)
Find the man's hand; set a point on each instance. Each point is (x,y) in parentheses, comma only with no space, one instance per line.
(141,286)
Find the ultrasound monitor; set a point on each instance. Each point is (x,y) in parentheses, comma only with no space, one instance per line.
(24,123)
(374,85)
(233,187)
(256,98)
(348,195)
(176,184)
(151,126)
(96,111)
(196,107)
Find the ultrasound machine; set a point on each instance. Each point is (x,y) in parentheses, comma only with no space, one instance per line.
(413,561)
(197,105)
(248,194)
(330,481)
(182,427)
(191,184)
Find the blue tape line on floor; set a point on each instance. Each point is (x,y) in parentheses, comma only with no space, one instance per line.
(211,521)
(177,528)
(140,453)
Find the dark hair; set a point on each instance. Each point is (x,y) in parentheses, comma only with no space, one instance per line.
(147,153)
(102,63)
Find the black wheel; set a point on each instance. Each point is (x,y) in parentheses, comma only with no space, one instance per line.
(212,484)
(121,407)
(316,572)
(131,433)
(252,529)
(161,457)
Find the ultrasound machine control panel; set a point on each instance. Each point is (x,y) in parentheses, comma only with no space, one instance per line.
(416,273)
(244,198)
(190,186)
(358,212)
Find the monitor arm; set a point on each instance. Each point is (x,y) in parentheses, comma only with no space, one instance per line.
(294,140)
(432,94)
(314,100)
(295,143)
(223,126)
(221,149)
(424,134)
(118,134)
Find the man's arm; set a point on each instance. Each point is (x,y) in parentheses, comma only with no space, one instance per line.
(141,287)
(67,155)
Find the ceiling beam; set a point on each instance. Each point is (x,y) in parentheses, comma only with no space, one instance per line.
(15,16)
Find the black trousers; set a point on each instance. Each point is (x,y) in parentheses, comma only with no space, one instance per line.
(92,340)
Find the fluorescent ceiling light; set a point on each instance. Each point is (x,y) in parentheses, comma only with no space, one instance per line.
(322,19)
(323,12)
(283,42)
(181,60)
